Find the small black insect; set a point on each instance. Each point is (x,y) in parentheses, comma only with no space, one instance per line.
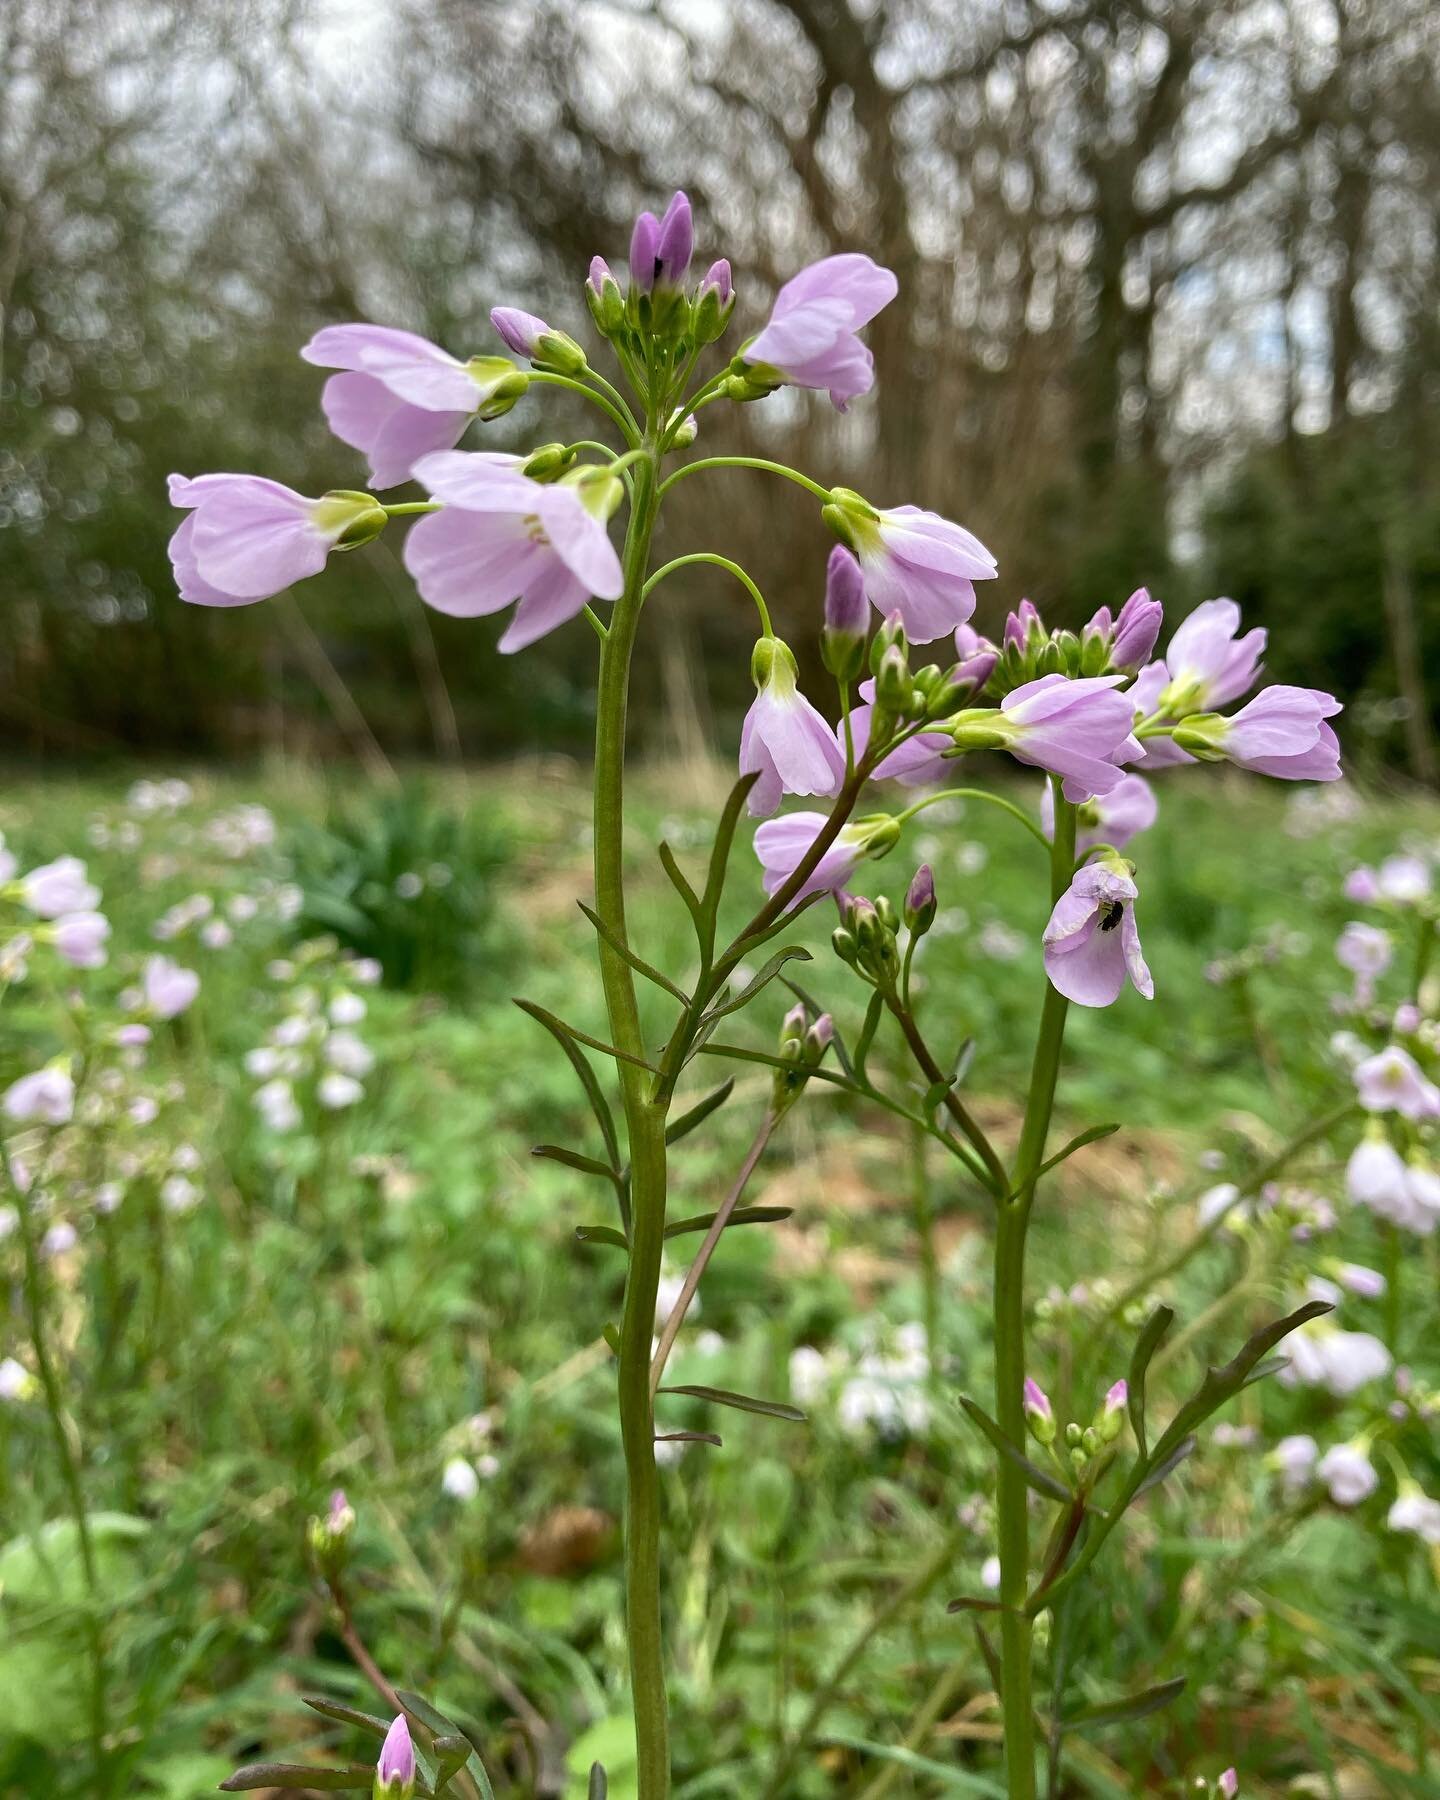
(1111,914)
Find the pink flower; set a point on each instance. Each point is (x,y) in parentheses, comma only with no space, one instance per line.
(1144,695)
(1362,886)
(781,845)
(247,537)
(1077,729)
(168,988)
(1365,950)
(402,396)
(1392,1082)
(810,339)
(784,739)
(1091,943)
(661,249)
(47,1096)
(1132,636)
(1128,809)
(1282,732)
(506,537)
(918,762)
(1229,1785)
(1208,665)
(395,1771)
(80,939)
(58,887)
(915,563)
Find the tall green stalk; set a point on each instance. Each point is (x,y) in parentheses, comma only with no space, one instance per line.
(645,1132)
(1012,1225)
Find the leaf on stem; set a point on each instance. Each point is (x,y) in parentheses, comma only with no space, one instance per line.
(1133,1706)
(602,1234)
(791,953)
(304,1776)
(560,1028)
(774,1409)
(1224,1383)
(742,1215)
(973,1603)
(627,955)
(442,1728)
(599,1787)
(573,1159)
(1092,1136)
(683,888)
(1163,1470)
(346,1715)
(1035,1476)
(589,1080)
(700,1112)
(874,1012)
(1148,1343)
(687,1437)
(720,855)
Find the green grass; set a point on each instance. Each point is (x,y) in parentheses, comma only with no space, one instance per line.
(342,1301)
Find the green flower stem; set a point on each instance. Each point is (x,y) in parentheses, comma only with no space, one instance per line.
(1016,1629)
(746,462)
(720,562)
(609,388)
(68,1459)
(645,1130)
(1009,806)
(617,410)
(997,1180)
(402,509)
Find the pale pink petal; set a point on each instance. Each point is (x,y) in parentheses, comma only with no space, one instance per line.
(253,536)
(478,480)
(581,541)
(410,366)
(470,564)
(552,597)
(364,413)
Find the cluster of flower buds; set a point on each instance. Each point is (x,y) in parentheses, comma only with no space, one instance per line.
(802,1045)
(1107,645)
(656,304)
(866,937)
(1082,1441)
(903,698)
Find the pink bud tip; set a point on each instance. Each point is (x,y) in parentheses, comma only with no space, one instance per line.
(1118,1396)
(1036,1399)
(397,1753)
(1229,1784)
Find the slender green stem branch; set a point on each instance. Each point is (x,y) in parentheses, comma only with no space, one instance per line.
(402,509)
(745,462)
(996,1179)
(620,414)
(720,562)
(691,1286)
(1009,806)
(645,1130)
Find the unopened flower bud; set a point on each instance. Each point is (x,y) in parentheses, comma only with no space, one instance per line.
(980,728)
(603,297)
(683,435)
(1136,630)
(889,918)
(500,383)
(1078,1458)
(547,461)
(1072,1434)
(1039,1415)
(538,342)
(1023,627)
(395,1771)
(1229,1785)
(1090,1438)
(920,901)
(843,944)
(1111,1421)
(893,687)
(714,303)
(847,615)
(818,1040)
(792,1026)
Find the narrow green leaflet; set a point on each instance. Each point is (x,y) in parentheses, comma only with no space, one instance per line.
(627,955)
(1039,1479)
(602,1234)
(792,953)
(774,1409)
(1133,1706)
(1148,1343)
(599,1788)
(700,1112)
(573,1159)
(1224,1383)
(559,1027)
(303,1776)
(442,1727)
(1092,1136)
(684,889)
(346,1715)
(720,856)
(742,1215)
(589,1080)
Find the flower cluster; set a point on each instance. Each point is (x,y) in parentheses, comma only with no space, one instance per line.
(313,1054)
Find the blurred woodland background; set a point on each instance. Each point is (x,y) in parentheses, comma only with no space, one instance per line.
(1168,317)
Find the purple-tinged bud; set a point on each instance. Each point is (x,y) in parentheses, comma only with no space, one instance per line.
(1136,630)
(714,303)
(818,1039)
(395,1771)
(920,901)
(1229,1785)
(341,1517)
(603,297)
(1112,1415)
(894,688)
(1023,626)
(675,242)
(644,253)
(1039,1415)
(525,335)
(847,614)
(792,1026)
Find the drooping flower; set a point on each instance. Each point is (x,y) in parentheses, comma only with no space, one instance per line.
(810,338)
(1375,1177)
(504,537)
(1355,1278)
(45,1097)
(1392,1081)
(1414,1511)
(395,1771)
(1403,879)
(1114,818)
(1091,943)
(335,1091)
(247,537)
(401,397)
(914,562)
(1077,729)
(1296,1458)
(781,845)
(80,939)
(167,987)
(58,887)
(1281,733)
(1341,1362)
(1362,886)
(1349,1474)
(784,739)
(1364,949)
(1208,665)
(275,1102)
